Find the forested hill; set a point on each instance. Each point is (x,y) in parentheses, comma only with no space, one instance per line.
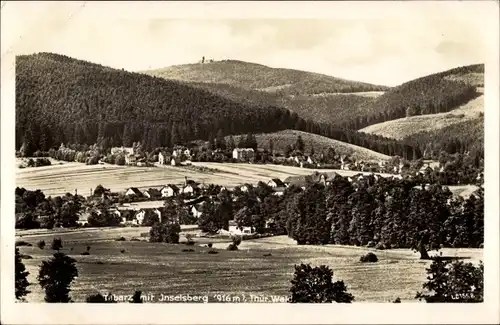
(254,76)
(436,93)
(84,101)
(63,100)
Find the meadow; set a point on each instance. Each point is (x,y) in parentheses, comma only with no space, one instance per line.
(262,267)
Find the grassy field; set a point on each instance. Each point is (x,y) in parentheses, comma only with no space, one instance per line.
(158,268)
(60,179)
(284,138)
(403,127)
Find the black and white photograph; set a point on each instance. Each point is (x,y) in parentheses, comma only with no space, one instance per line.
(182,154)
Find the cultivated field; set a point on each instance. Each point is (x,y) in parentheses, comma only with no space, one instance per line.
(403,127)
(61,179)
(158,268)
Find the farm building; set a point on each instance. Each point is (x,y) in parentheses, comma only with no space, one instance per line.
(300,181)
(169,190)
(122,150)
(276,182)
(133,191)
(131,159)
(243,153)
(279,191)
(196,209)
(164,157)
(234,229)
(245,187)
(139,216)
(175,161)
(190,189)
(152,193)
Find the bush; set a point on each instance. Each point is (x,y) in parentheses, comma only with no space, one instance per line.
(188,250)
(370,244)
(314,285)
(189,239)
(122,251)
(136,298)
(236,240)
(213,252)
(232,247)
(56,244)
(397,301)
(380,246)
(134,239)
(369,258)
(165,233)
(41,244)
(22,243)
(85,253)
(97,298)
(120,239)
(209,245)
(455,281)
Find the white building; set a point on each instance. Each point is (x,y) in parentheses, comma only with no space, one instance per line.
(243,153)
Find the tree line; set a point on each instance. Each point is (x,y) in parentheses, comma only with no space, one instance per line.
(383,213)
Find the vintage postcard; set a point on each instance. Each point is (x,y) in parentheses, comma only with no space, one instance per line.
(250,162)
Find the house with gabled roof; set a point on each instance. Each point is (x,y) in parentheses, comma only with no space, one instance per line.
(152,193)
(276,182)
(133,191)
(164,157)
(299,181)
(243,153)
(190,187)
(169,190)
(175,161)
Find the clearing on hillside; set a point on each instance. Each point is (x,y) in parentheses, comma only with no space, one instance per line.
(403,127)
(282,139)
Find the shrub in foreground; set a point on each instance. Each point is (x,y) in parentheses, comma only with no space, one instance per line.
(21,277)
(453,281)
(315,285)
(55,277)
(136,298)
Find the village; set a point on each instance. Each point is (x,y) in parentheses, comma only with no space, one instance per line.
(134,205)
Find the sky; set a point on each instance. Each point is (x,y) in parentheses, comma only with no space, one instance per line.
(387,44)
